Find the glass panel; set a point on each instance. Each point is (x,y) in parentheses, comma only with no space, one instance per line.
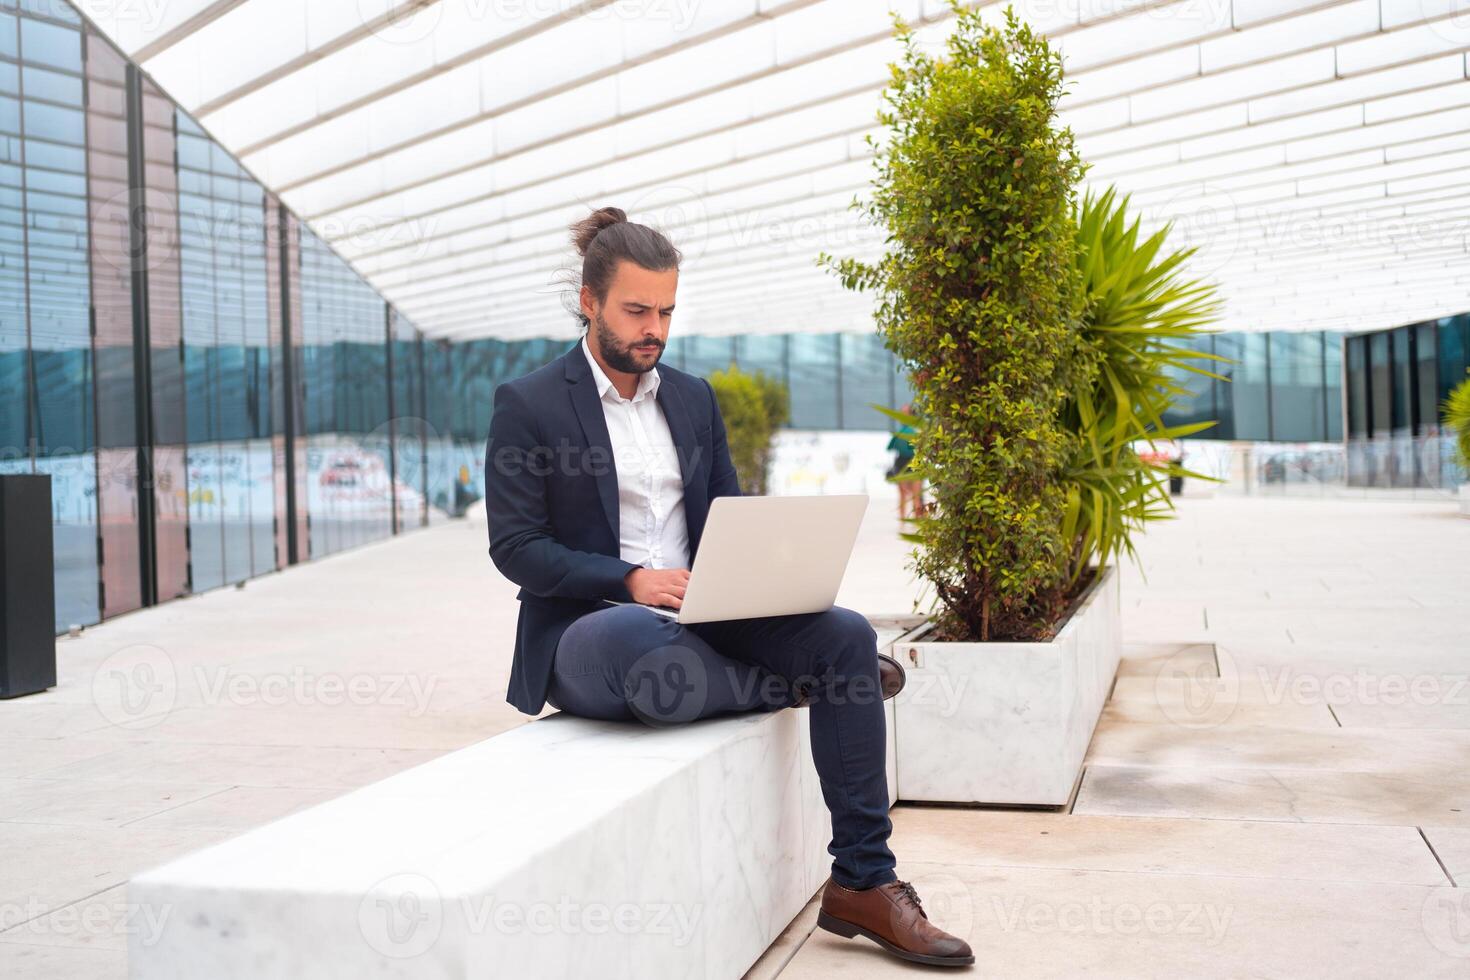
(765,353)
(54,45)
(1249,388)
(1199,404)
(1357,383)
(409,475)
(15,454)
(9,47)
(1453,347)
(442,477)
(867,368)
(1402,381)
(703,355)
(1426,414)
(1332,371)
(223,258)
(1379,395)
(58,288)
(171,493)
(343,329)
(112,300)
(1226,345)
(1297,411)
(813,381)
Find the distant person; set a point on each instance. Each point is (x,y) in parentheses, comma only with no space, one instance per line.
(910,491)
(464,493)
(573,529)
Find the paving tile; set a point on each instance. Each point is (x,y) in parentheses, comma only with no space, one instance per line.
(1152,659)
(28,756)
(237,809)
(1238,848)
(1032,923)
(50,865)
(1452,846)
(1316,796)
(90,803)
(349,726)
(101,921)
(243,765)
(1430,715)
(1206,709)
(27,961)
(1279,747)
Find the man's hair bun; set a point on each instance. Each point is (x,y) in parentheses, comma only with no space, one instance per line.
(585,230)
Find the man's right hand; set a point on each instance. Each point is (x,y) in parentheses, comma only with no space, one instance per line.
(658,586)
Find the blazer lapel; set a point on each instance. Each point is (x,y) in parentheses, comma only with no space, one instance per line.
(687,448)
(588,407)
(680,428)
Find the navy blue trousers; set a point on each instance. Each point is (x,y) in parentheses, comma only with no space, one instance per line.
(627,663)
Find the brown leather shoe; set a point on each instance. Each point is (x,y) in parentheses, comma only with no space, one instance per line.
(892,917)
(891,678)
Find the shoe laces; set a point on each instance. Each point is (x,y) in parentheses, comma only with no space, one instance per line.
(907,891)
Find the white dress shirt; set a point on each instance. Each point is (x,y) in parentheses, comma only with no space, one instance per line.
(651,527)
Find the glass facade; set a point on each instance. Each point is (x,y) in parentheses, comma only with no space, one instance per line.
(217,394)
(226,355)
(1396,381)
(48,381)
(212,390)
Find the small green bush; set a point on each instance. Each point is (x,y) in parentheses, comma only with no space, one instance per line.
(1042,337)
(753,405)
(979,294)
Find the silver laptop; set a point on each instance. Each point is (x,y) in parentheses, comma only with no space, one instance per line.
(769,556)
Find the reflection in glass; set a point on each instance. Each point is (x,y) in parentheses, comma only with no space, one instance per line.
(112,302)
(814,381)
(1332,372)
(1298,412)
(866,373)
(1380,401)
(226,356)
(1402,374)
(52,231)
(344,371)
(1249,388)
(1357,387)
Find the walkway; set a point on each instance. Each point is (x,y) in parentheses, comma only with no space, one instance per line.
(1301,815)
(1280,786)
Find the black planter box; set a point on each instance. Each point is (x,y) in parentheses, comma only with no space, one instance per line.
(27,586)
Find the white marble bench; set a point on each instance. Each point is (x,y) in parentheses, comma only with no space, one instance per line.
(565,847)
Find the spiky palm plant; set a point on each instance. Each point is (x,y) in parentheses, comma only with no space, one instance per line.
(1457,419)
(1142,312)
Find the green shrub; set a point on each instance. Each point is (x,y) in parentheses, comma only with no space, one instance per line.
(980,296)
(753,406)
(1042,337)
(1457,419)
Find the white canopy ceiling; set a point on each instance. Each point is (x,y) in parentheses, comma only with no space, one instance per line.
(1318,152)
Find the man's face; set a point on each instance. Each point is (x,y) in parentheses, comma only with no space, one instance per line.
(631,329)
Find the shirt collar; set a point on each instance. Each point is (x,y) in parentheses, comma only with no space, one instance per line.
(647,381)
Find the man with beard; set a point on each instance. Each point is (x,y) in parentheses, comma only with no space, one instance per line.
(599,472)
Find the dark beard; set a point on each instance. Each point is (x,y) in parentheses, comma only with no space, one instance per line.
(618,357)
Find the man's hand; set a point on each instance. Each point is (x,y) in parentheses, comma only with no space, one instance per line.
(658,586)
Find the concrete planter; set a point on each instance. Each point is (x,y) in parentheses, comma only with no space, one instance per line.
(1465,500)
(1006,723)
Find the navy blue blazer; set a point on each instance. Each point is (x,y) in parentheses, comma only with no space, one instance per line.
(551,498)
